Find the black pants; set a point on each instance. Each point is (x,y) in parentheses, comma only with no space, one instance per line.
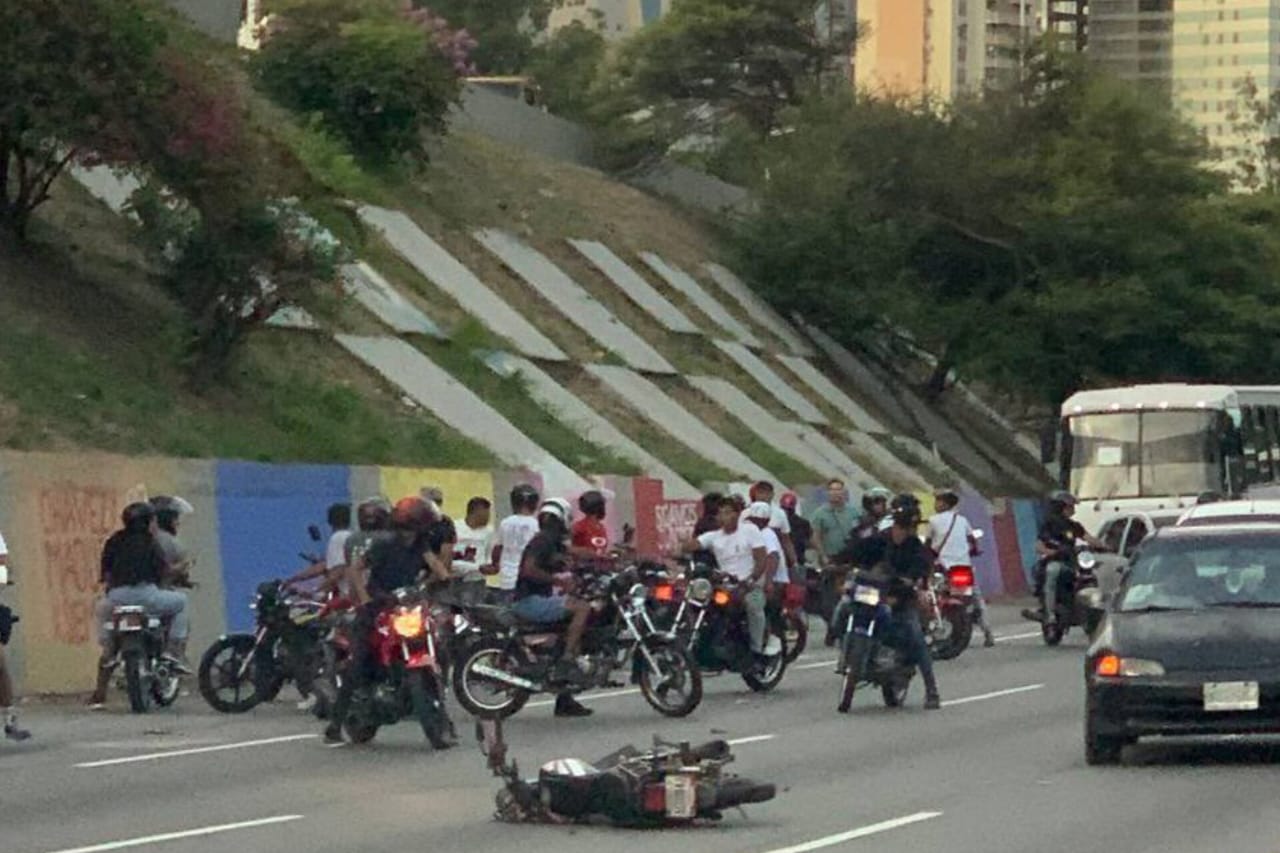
(359,663)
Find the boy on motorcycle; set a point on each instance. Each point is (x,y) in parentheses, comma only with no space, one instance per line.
(391,563)
(1057,538)
(907,560)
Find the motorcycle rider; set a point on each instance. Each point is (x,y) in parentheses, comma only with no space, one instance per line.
(8,713)
(373,517)
(762,492)
(133,567)
(951,538)
(910,563)
(544,569)
(589,538)
(169,512)
(875,508)
(740,550)
(391,563)
(1058,536)
(513,536)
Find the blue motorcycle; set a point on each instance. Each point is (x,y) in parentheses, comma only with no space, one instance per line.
(868,653)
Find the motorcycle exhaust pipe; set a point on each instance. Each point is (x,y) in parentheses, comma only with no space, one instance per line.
(504,677)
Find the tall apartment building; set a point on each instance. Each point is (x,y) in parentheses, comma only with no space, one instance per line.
(944,47)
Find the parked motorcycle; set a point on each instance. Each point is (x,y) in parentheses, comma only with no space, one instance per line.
(866,656)
(408,683)
(1078,574)
(136,643)
(668,785)
(239,671)
(713,627)
(514,660)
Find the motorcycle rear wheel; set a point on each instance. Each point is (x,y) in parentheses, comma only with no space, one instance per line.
(777,667)
(684,673)
(214,676)
(428,706)
(856,652)
(736,791)
(466,683)
(797,634)
(957,638)
(360,731)
(135,683)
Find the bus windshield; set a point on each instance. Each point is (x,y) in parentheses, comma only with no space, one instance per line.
(1144,454)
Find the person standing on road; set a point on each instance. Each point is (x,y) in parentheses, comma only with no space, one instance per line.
(951,538)
(8,697)
(514,535)
(833,522)
(475,535)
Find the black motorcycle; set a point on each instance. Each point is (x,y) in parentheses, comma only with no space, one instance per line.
(1078,573)
(866,655)
(712,624)
(240,671)
(135,645)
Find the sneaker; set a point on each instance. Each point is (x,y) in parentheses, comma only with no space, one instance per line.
(333,735)
(308,703)
(179,665)
(932,702)
(989,641)
(567,706)
(1034,615)
(13,733)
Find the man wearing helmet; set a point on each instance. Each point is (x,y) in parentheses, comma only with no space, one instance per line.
(900,551)
(514,535)
(133,567)
(1058,535)
(390,563)
(169,512)
(542,594)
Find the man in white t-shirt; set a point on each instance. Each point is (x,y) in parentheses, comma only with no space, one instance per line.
(475,534)
(761,515)
(335,553)
(8,701)
(740,551)
(762,492)
(951,538)
(513,536)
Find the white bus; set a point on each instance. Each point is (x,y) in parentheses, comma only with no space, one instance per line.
(1151,447)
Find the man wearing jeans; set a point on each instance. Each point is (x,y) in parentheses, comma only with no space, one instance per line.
(740,551)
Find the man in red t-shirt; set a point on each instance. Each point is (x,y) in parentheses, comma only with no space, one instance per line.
(590,536)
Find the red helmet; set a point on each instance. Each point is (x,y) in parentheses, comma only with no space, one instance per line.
(413,513)
(788,500)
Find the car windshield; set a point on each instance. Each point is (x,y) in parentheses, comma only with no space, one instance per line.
(1148,454)
(1214,570)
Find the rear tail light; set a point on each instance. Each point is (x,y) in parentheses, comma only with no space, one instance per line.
(1108,666)
(960,578)
(655,798)
(664,592)
(1114,666)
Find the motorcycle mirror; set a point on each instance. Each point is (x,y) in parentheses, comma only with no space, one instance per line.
(978,534)
(313,532)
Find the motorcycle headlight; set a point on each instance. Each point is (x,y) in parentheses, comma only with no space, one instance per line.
(700,589)
(407,622)
(1086,560)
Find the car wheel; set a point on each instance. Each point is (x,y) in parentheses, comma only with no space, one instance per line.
(1099,749)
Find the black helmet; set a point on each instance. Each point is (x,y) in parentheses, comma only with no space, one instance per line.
(1061,499)
(905,500)
(374,513)
(523,497)
(137,516)
(591,503)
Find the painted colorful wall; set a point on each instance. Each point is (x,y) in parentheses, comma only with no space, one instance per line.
(251,523)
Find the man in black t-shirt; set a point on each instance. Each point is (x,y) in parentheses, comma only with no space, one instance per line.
(1055,543)
(392,562)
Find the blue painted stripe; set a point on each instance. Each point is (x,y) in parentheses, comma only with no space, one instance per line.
(1027,514)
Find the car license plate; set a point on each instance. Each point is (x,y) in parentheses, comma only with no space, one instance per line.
(1231,696)
(866,595)
(681,796)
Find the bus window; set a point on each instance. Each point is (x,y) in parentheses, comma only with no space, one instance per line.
(1249,442)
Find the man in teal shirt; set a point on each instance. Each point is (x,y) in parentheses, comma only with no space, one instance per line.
(833,522)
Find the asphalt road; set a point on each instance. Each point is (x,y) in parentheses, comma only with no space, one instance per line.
(999,768)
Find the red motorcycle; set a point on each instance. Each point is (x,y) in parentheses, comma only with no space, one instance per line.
(948,611)
(405,648)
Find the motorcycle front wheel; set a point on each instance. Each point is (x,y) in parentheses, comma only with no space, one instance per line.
(894,693)
(776,667)
(857,650)
(481,696)
(1053,632)
(225,682)
(428,706)
(135,683)
(681,692)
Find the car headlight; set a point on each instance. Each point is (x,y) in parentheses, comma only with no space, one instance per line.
(1114,666)
(700,589)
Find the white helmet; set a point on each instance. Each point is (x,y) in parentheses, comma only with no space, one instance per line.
(558,507)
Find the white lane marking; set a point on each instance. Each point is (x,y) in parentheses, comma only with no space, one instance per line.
(815,665)
(752,739)
(982,697)
(861,832)
(177,753)
(1007,637)
(545,703)
(174,836)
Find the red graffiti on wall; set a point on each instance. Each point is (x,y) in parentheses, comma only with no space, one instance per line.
(674,521)
(74,522)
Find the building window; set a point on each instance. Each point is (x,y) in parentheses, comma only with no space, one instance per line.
(1235,38)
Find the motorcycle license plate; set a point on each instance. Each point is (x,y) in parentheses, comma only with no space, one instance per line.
(1231,696)
(866,595)
(682,796)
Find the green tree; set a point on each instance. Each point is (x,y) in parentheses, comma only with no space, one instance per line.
(75,77)
(504,30)
(373,75)
(566,66)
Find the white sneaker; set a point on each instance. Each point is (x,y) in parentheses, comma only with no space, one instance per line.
(307,704)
